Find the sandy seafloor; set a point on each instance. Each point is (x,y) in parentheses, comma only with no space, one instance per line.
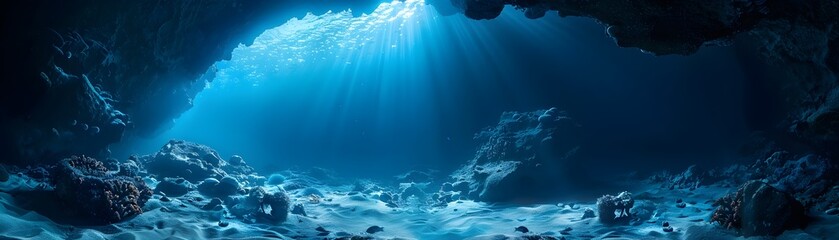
(344,214)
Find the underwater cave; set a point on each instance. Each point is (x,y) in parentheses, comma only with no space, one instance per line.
(419,119)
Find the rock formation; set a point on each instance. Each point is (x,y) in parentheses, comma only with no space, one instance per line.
(522,158)
(757,208)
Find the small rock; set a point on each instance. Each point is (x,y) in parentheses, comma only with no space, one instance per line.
(667,229)
(679,200)
(832,211)
(322,231)
(666,224)
(223,224)
(681,205)
(276,179)
(589,213)
(374,229)
(4,175)
(215,202)
(566,231)
(298,209)
(522,229)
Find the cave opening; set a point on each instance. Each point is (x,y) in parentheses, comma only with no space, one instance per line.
(419,119)
(404,87)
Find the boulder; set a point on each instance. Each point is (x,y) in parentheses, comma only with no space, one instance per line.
(219,188)
(194,162)
(522,159)
(4,174)
(608,205)
(174,187)
(757,208)
(191,161)
(276,179)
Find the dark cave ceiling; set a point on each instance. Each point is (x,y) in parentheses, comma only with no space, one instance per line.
(104,69)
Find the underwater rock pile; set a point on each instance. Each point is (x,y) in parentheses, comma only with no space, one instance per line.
(811,179)
(174,187)
(194,162)
(522,157)
(87,188)
(757,208)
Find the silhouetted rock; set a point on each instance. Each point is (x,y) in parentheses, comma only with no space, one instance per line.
(588,213)
(374,229)
(298,209)
(84,185)
(4,174)
(522,158)
(757,208)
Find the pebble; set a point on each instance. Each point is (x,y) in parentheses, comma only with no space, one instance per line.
(589,213)
(223,224)
(522,229)
(374,229)
(667,229)
(566,231)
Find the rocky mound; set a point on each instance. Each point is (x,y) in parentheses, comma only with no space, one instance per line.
(193,162)
(521,159)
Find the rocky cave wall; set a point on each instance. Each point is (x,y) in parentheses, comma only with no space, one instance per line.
(80,74)
(798,37)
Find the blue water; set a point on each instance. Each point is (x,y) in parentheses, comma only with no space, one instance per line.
(405,88)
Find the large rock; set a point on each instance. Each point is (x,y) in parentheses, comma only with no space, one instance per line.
(615,209)
(521,159)
(174,187)
(757,208)
(808,178)
(86,188)
(193,162)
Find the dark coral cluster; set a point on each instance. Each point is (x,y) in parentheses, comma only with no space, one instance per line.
(86,187)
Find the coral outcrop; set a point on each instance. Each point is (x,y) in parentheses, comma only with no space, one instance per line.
(757,208)
(521,158)
(86,187)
